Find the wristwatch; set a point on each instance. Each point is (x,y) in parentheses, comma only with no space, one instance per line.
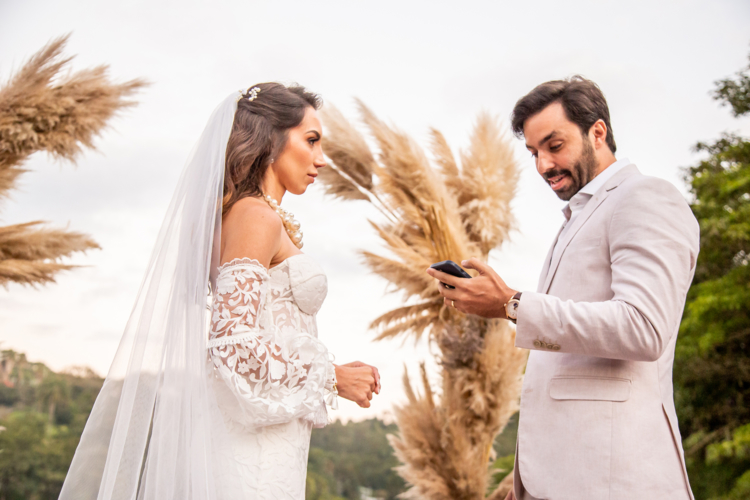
(511,307)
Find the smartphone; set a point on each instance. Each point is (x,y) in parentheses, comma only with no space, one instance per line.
(450,267)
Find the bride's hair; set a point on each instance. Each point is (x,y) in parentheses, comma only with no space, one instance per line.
(264,116)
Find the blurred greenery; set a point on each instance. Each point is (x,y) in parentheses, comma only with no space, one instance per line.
(42,414)
(355,455)
(712,360)
(500,468)
(344,458)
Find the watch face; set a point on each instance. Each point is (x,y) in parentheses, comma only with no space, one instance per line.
(512,308)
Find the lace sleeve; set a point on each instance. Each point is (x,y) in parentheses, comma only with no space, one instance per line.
(275,376)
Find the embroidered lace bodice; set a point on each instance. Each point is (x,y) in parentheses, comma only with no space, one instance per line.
(271,373)
(264,340)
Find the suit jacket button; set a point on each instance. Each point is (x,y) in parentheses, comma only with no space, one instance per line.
(537,344)
(556,347)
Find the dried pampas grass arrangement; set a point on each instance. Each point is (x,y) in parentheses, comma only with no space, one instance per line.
(42,109)
(436,209)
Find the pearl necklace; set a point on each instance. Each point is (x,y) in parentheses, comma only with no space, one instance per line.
(291,225)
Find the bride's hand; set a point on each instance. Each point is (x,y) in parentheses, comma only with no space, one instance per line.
(357,381)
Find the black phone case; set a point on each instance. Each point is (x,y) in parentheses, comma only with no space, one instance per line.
(450,267)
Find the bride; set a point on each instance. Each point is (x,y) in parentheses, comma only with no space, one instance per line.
(225,411)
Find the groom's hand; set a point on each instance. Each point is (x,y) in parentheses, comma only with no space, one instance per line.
(484,295)
(357,381)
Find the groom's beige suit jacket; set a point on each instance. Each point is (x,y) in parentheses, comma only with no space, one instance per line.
(597,419)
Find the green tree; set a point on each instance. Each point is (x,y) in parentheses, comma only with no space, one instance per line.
(19,446)
(353,455)
(34,456)
(321,482)
(43,415)
(712,362)
(51,393)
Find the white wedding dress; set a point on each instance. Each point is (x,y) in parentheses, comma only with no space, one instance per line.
(226,415)
(271,374)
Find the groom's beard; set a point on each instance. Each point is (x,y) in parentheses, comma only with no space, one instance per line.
(581,173)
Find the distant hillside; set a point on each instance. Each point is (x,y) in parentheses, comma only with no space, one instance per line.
(352,461)
(43,413)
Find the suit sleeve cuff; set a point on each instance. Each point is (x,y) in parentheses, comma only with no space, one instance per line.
(530,330)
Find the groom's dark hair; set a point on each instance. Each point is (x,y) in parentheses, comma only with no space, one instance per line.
(582,100)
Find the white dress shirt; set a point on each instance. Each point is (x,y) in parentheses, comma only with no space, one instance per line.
(579,200)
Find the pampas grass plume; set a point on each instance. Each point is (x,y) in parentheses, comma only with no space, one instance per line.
(45,108)
(448,211)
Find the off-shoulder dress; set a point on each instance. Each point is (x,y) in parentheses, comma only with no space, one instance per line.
(271,374)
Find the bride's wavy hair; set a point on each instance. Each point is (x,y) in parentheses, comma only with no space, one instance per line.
(259,134)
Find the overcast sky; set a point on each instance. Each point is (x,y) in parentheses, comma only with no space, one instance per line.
(416,64)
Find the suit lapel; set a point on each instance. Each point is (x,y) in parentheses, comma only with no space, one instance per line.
(589,209)
(545,268)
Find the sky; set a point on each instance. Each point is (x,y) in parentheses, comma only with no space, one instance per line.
(417,64)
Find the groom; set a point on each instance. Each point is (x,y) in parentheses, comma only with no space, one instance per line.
(597,417)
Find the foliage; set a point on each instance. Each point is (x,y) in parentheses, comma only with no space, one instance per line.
(501,468)
(737,447)
(354,455)
(437,209)
(345,457)
(43,109)
(735,92)
(505,443)
(43,415)
(321,482)
(712,360)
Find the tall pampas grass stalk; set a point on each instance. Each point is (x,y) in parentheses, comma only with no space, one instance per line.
(44,107)
(435,208)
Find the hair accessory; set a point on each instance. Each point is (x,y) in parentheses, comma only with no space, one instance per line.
(252,94)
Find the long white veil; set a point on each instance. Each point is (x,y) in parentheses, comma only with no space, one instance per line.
(154,432)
